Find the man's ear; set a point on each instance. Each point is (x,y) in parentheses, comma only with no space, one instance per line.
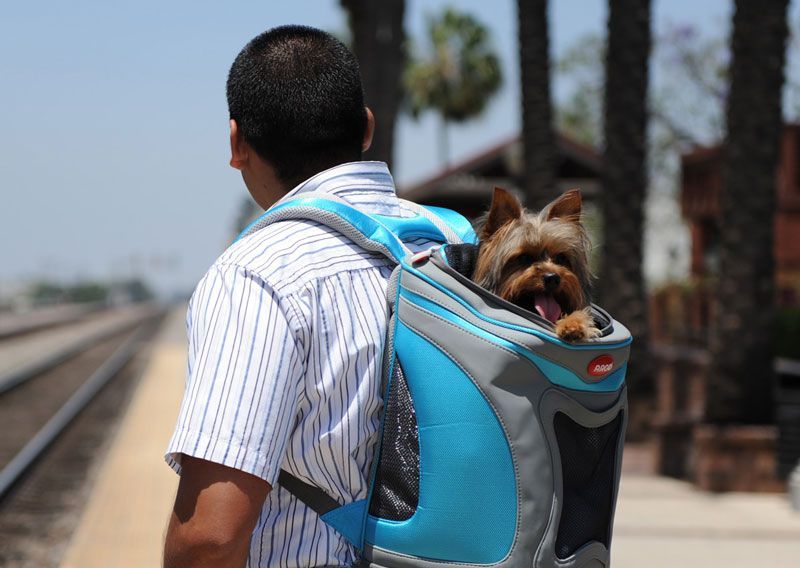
(505,208)
(369,131)
(240,151)
(566,207)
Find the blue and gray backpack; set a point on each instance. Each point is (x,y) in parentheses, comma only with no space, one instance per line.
(500,444)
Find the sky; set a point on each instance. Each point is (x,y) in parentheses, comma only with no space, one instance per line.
(114,128)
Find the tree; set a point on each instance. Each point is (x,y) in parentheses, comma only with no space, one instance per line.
(538,141)
(687,96)
(458,75)
(378,44)
(740,386)
(624,180)
(580,114)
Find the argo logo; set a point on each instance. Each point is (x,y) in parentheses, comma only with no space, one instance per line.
(599,366)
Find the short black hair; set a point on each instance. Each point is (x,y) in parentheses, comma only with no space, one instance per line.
(296,94)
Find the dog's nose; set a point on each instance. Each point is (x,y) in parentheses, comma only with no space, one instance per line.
(551,281)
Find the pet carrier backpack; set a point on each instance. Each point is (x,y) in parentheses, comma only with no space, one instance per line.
(500,444)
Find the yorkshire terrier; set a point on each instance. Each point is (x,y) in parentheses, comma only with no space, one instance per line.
(539,261)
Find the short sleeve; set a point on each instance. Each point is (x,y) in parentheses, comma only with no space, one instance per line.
(244,372)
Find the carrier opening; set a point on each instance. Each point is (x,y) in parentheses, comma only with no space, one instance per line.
(588,470)
(459,261)
(396,492)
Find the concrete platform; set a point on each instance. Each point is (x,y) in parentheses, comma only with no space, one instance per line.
(661,523)
(665,523)
(124,522)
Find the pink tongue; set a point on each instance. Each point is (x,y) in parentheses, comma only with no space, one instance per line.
(547,307)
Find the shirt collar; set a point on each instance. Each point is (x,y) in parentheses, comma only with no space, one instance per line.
(352,177)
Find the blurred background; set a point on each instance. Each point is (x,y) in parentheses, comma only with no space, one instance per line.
(679,120)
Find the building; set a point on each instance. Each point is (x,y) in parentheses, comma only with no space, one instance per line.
(467,186)
(700,201)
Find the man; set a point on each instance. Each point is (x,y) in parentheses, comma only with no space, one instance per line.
(286,330)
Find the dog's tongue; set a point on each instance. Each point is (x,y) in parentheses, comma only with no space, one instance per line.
(547,307)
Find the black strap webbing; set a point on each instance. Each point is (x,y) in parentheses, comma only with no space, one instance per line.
(314,497)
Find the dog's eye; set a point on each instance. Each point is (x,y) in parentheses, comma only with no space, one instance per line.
(561,259)
(524,259)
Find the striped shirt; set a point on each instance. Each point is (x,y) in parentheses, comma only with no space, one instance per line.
(286,333)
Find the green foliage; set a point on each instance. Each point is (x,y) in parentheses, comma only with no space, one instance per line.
(580,114)
(48,293)
(43,293)
(459,74)
(87,292)
(787,333)
(688,93)
(137,290)
(689,87)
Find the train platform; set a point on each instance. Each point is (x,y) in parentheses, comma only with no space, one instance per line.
(124,522)
(660,522)
(666,523)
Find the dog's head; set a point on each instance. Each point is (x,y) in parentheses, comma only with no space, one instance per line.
(538,261)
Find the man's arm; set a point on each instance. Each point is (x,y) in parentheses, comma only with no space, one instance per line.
(236,418)
(215,511)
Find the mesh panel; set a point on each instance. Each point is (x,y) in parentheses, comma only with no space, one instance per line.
(396,491)
(461,258)
(588,466)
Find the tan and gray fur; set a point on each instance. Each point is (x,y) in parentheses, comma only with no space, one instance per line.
(520,249)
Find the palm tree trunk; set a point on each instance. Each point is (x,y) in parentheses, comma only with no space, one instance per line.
(740,384)
(538,142)
(378,43)
(624,178)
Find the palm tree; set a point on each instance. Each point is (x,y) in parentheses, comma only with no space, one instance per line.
(378,43)
(538,141)
(459,74)
(740,386)
(624,180)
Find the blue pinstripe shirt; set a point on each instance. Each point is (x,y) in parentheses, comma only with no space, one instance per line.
(286,333)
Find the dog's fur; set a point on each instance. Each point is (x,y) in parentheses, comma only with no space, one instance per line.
(519,250)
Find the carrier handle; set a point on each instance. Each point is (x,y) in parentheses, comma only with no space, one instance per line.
(454,227)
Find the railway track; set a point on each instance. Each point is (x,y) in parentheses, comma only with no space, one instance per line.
(54,422)
(20,324)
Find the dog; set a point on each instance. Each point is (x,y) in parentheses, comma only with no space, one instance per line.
(539,261)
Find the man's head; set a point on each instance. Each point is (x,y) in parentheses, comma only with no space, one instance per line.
(296,107)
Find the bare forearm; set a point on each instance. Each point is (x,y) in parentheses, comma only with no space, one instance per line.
(212,521)
(192,549)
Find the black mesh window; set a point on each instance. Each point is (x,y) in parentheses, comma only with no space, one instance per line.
(396,492)
(588,466)
(462,258)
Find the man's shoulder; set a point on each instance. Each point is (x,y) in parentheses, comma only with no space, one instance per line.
(289,254)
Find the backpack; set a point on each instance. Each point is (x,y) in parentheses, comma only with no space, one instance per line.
(499,444)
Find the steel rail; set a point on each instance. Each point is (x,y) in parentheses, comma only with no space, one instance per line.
(79,400)
(16,377)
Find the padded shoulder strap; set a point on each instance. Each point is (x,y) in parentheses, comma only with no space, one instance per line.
(379,233)
(366,231)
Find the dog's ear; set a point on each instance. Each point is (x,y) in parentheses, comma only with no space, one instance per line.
(566,207)
(505,208)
